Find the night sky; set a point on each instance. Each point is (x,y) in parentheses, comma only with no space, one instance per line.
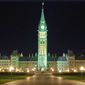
(19,24)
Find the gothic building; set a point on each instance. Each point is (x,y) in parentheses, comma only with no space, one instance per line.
(42,61)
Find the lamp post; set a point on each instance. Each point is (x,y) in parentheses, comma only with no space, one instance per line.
(27,69)
(0,69)
(81,68)
(11,68)
(52,70)
(59,71)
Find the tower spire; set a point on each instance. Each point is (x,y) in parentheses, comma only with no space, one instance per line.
(42,14)
(42,19)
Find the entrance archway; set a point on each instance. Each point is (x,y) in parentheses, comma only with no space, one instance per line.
(42,69)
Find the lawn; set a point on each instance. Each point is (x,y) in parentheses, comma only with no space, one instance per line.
(6,77)
(73,76)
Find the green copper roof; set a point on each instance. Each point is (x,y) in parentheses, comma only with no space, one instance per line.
(42,16)
(42,21)
(4,58)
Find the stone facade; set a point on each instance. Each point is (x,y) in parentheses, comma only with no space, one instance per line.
(20,63)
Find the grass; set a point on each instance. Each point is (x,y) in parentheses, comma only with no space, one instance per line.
(73,76)
(6,77)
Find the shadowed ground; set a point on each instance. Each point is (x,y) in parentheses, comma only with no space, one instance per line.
(44,79)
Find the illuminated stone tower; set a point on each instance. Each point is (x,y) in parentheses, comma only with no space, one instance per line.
(42,43)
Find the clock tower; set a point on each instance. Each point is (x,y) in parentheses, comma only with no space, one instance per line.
(42,43)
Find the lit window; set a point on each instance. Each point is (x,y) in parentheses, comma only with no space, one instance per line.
(42,35)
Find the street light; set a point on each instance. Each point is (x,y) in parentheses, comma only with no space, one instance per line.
(59,71)
(81,68)
(11,68)
(27,69)
(52,69)
(0,69)
(74,70)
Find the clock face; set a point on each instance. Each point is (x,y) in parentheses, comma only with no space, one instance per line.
(42,27)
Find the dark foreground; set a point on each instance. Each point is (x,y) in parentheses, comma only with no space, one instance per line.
(6,76)
(44,79)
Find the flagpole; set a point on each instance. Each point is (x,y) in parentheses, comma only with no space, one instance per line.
(42,4)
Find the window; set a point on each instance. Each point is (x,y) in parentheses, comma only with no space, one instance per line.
(42,35)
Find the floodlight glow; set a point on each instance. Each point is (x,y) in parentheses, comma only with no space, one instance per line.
(74,70)
(17,70)
(67,70)
(27,70)
(33,69)
(0,69)
(11,68)
(82,68)
(59,71)
(52,69)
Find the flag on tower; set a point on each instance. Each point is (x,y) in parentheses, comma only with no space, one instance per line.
(42,3)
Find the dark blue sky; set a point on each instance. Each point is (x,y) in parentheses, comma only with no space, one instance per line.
(19,24)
